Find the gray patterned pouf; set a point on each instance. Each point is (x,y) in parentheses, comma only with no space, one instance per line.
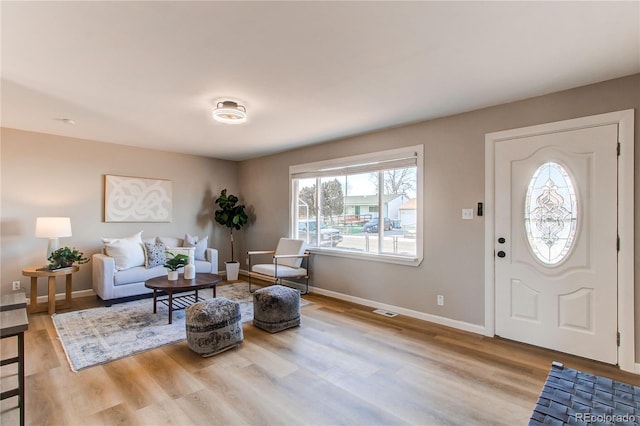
(276,308)
(213,326)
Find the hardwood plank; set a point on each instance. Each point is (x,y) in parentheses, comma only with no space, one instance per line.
(133,383)
(343,365)
(174,380)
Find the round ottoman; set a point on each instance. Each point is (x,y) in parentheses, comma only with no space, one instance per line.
(276,308)
(213,326)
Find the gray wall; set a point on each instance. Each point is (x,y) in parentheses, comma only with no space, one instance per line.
(454,179)
(47,175)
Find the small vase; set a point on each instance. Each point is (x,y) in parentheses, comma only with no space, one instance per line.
(172,275)
(189,271)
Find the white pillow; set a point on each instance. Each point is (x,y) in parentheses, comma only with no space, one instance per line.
(200,245)
(127,252)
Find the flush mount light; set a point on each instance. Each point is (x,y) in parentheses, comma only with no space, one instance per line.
(230,112)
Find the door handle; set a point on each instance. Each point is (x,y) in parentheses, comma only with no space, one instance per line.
(501,254)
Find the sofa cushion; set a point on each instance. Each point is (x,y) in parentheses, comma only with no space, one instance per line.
(199,244)
(202,266)
(154,253)
(138,274)
(127,252)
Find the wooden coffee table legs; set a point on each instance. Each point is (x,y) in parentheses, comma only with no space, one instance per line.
(181,301)
(170,305)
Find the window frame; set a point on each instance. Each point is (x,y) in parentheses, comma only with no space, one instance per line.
(386,157)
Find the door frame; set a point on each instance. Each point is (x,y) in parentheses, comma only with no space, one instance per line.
(625,121)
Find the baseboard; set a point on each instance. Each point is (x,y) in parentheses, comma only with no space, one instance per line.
(62,296)
(460,325)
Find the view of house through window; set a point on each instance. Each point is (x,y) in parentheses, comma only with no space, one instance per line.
(365,207)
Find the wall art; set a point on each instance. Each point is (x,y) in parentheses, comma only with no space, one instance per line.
(135,199)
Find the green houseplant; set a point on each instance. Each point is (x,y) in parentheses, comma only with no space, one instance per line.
(65,257)
(233,216)
(175,262)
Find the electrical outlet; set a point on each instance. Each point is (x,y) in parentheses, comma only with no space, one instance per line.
(440,300)
(246,261)
(16,285)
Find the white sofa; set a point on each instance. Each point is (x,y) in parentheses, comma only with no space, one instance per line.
(111,283)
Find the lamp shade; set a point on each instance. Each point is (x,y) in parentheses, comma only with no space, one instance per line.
(53,227)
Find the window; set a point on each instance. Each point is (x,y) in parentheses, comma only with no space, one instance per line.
(366,206)
(551,213)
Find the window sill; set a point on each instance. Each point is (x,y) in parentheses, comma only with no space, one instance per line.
(383,258)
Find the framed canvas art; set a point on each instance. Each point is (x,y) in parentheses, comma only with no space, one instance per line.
(136,199)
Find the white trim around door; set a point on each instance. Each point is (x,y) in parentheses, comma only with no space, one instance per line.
(625,121)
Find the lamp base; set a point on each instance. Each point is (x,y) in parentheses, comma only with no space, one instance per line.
(54,244)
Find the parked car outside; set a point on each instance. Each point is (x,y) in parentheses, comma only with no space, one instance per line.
(329,237)
(372,225)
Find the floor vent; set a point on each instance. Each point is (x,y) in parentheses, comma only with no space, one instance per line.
(385,313)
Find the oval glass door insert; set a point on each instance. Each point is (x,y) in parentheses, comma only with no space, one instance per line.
(551,213)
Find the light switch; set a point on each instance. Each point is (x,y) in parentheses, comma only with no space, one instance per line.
(467,214)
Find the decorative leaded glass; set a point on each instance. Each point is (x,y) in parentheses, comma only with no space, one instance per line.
(551,213)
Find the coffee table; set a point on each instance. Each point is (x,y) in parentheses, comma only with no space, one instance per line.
(162,284)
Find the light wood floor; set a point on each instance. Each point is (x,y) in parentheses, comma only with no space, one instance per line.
(344,365)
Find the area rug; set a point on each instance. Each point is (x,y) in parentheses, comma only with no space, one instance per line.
(99,335)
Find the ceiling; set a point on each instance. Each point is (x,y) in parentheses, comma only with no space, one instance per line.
(147,74)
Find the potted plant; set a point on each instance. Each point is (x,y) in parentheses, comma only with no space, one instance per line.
(65,257)
(173,263)
(233,216)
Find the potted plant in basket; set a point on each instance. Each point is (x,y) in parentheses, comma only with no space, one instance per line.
(65,257)
(175,262)
(233,216)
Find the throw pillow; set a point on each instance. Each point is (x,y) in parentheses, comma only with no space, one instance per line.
(200,245)
(154,254)
(127,252)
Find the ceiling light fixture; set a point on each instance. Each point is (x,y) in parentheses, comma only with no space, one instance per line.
(230,112)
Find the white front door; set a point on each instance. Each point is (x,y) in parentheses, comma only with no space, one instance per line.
(556,240)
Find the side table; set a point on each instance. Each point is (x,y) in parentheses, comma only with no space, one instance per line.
(35,273)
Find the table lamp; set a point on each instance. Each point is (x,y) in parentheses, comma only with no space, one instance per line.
(53,228)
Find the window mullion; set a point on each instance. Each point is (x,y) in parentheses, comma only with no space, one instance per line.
(319,212)
(380,212)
